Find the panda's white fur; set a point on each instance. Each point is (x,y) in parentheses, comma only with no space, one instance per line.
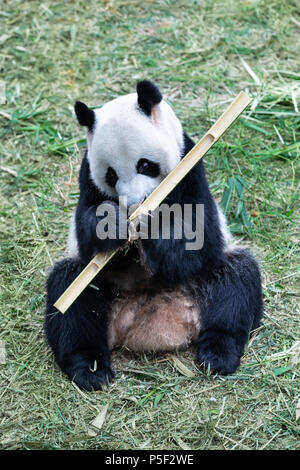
(122,129)
(224,226)
(72,249)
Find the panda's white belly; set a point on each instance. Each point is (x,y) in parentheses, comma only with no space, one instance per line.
(160,321)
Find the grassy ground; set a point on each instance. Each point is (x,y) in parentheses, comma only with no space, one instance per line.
(201,53)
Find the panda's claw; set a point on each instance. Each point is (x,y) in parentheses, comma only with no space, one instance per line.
(219,352)
(88,380)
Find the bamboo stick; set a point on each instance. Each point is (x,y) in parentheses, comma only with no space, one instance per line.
(157,196)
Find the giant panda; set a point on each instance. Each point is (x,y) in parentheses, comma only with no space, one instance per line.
(154,295)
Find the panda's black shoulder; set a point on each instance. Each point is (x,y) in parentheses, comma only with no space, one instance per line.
(188,143)
(194,187)
(89,193)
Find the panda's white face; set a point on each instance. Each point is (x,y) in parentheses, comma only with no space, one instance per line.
(130,152)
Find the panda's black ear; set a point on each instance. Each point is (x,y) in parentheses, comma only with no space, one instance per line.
(148,96)
(85,115)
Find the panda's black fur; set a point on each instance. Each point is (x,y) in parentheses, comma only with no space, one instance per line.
(223,281)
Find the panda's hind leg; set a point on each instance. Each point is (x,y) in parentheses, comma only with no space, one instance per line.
(231,306)
(78,338)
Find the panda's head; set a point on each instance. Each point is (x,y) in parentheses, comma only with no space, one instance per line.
(134,141)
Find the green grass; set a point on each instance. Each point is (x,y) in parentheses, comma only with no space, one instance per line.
(52,53)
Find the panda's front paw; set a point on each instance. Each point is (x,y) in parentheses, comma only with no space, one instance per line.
(219,352)
(111,228)
(87,379)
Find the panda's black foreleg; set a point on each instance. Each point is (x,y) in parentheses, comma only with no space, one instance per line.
(231,307)
(78,338)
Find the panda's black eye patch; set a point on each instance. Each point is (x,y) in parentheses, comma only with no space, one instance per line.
(147,168)
(111,177)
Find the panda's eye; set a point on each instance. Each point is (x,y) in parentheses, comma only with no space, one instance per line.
(111,177)
(148,168)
